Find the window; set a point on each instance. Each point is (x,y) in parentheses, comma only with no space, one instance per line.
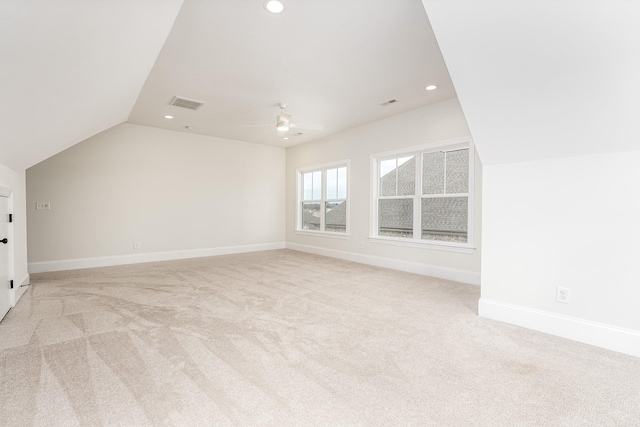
(423,196)
(322,193)
(395,203)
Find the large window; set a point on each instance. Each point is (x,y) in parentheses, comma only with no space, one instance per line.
(322,199)
(423,195)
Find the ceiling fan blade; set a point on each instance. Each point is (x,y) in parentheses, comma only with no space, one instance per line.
(306,126)
(255,126)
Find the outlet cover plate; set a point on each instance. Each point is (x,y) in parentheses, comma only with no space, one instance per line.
(562,295)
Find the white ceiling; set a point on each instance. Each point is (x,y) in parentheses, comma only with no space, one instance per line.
(332,61)
(539,79)
(535,79)
(72,68)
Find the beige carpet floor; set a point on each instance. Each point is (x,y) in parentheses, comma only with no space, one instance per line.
(282,338)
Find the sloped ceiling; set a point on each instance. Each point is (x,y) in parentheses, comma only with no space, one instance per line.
(332,61)
(72,68)
(543,79)
(536,79)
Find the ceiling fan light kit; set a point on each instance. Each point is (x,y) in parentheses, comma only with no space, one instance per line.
(283,122)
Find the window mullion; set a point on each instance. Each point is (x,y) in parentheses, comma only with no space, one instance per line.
(299,212)
(396,172)
(323,197)
(444,178)
(417,201)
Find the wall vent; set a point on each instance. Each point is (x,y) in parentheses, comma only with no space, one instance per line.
(389,102)
(191,104)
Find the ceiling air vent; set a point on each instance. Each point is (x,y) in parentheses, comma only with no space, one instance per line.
(389,102)
(191,104)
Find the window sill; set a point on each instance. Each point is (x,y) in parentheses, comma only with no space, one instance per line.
(328,234)
(443,246)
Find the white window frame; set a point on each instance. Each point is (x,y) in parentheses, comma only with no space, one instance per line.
(300,198)
(416,240)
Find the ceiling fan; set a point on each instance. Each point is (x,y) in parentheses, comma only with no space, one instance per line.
(283,122)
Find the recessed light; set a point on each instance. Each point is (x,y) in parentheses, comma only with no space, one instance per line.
(274,6)
(431,87)
(286,137)
(168,117)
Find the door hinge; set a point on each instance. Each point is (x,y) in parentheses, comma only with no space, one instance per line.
(11,282)
(10,217)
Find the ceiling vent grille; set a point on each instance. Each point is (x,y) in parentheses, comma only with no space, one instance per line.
(389,102)
(191,104)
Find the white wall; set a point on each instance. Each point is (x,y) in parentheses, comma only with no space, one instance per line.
(15,180)
(433,123)
(570,222)
(539,80)
(175,193)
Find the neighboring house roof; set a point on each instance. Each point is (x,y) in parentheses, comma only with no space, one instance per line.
(395,214)
(337,215)
(444,214)
(310,219)
(406,180)
(440,214)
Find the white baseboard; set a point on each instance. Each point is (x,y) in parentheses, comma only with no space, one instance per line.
(19,288)
(75,264)
(622,340)
(463,276)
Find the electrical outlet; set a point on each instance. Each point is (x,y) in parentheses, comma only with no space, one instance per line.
(562,295)
(361,245)
(136,245)
(43,205)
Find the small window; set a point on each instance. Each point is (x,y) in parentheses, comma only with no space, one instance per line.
(423,195)
(323,199)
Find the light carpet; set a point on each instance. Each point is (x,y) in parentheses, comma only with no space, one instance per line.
(285,338)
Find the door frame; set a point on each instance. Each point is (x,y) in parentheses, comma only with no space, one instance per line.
(7,193)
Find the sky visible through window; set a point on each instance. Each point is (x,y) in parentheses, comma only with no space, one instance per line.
(387,166)
(336,184)
(313,185)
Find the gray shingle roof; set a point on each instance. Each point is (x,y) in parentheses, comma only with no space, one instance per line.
(335,218)
(439,215)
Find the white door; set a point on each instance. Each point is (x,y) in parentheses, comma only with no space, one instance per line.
(4,257)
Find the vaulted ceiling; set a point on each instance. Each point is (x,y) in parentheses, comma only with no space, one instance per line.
(76,68)
(543,79)
(332,61)
(72,68)
(535,79)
